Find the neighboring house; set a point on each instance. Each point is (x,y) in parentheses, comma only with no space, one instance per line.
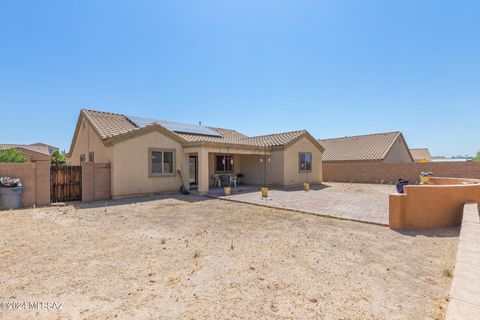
(145,154)
(421,155)
(389,147)
(49,147)
(31,152)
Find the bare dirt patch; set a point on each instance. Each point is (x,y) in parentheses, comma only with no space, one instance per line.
(193,258)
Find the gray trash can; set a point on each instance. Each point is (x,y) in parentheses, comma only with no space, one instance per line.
(10,197)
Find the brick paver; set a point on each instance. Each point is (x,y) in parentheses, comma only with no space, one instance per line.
(360,202)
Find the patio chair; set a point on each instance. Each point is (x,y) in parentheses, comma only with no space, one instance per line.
(232,180)
(217,181)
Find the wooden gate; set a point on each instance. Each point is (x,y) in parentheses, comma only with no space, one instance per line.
(65,183)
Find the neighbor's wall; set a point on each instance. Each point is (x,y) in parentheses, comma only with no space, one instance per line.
(399,153)
(130,175)
(35,178)
(88,141)
(377,172)
(292,176)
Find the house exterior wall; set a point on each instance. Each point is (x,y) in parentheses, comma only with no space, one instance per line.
(88,141)
(237,165)
(254,170)
(292,176)
(130,166)
(399,153)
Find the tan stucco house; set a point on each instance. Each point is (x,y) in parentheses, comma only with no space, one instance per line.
(388,147)
(31,152)
(145,154)
(421,155)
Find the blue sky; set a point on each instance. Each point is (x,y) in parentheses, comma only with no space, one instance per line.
(332,67)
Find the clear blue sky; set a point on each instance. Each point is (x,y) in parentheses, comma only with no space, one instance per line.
(332,67)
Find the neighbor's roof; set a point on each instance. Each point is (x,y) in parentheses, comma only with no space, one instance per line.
(359,148)
(43,149)
(419,154)
(114,125)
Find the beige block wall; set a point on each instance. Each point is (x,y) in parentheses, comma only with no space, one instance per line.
(35,178)
(88,141)
(130,172)
(378,172)
(292,176)
(398,153)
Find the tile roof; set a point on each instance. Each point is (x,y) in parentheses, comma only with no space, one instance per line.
(359,148)
(109,125)
(43,149)
(419,154)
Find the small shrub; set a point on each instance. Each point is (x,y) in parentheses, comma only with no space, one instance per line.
(448,272)
(196,254)
(162,241)
(58,158)
(12,155)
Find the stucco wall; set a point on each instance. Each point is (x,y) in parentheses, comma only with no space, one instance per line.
(88,141)
(431,206)
(254,170)
(130,172)
(398,153)
(237,165)
(292,176)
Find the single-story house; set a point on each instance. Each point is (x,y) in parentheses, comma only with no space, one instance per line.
(389,147)
(49,147)
(421,155)
(145,154)
(31,152)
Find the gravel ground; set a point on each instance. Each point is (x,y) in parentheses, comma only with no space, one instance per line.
(186,257)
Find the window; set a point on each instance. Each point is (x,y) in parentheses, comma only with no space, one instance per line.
(305,162)
(91,157)
(82,158)
(224,163)
(161,162)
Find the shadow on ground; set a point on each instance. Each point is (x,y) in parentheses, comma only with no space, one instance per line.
(191,198)
(435,233)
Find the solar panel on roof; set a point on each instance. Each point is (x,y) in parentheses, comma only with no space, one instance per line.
(175,126)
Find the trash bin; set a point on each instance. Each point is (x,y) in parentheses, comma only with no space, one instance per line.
(10,197)
(400,184)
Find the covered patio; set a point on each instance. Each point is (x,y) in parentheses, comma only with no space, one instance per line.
(211,168)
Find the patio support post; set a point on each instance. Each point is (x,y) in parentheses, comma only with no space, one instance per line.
(203,179)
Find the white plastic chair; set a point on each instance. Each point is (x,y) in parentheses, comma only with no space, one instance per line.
(217,181)
(233,179)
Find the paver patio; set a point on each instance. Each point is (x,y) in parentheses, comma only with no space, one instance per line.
(359,202)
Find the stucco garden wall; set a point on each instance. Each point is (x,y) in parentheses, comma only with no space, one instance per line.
(432,206)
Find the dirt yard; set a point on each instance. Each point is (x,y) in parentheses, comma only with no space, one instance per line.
(192,258)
